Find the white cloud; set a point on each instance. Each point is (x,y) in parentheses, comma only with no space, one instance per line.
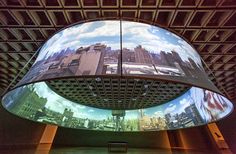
(114,46)
(184,101)
(80,106)
(110,28)
(159,114)
(73,36)
(170,109)
(131,114)
(138,33)
(133,35)
(81,115)
(90,110)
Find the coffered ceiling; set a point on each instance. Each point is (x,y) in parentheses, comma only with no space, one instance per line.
(209,25)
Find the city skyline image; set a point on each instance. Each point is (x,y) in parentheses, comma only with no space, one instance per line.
(183,112)
(95,48)
(100,59)
(152,38)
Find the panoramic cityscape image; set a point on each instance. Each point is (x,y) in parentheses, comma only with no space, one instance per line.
(193,108)
(117,76)
(96,50)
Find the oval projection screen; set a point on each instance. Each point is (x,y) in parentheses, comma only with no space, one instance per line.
(94,49)
(116,75)
(39,103)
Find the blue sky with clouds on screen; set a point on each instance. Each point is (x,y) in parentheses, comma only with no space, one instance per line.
(152,38)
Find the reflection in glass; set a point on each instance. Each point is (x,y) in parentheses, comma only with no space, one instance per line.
(94,48)
(151,50)
(39,103)
(86,49)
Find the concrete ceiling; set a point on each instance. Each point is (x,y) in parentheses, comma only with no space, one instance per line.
(117,93)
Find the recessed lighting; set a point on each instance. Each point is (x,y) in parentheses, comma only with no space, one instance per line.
(90,87)
(98,79)
(137,80)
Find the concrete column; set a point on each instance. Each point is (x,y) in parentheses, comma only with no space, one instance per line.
(46,140)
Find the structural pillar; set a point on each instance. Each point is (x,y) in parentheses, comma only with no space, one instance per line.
(46,140)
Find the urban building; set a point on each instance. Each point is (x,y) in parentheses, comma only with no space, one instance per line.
(25,25)
(26,109)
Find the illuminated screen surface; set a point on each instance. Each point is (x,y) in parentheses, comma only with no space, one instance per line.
(39,103)
(103,48)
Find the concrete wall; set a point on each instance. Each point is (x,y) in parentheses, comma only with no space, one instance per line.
(191,139)
(227,127)
(197,138)
(16,132)
(67,137)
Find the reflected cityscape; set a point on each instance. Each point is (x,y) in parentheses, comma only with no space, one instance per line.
(96,59)
(100,59)
(48,107)
(95,48)
(141,61)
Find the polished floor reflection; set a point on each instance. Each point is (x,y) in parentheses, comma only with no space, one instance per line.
(95,150)
(88,150)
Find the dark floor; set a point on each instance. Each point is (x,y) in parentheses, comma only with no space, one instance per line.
(93,150)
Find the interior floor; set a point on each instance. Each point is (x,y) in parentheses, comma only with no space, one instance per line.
(103,150)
